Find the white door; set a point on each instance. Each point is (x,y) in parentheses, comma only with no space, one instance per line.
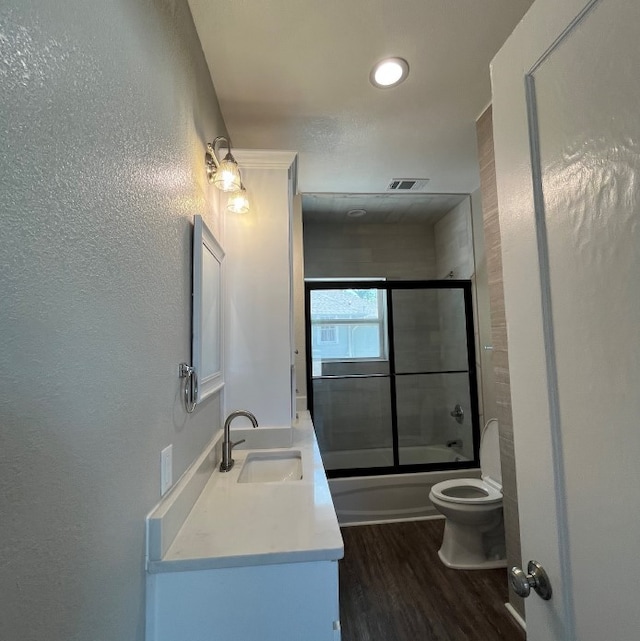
(566,110)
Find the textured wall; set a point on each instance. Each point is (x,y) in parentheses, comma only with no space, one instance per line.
(500,353)
(105,110)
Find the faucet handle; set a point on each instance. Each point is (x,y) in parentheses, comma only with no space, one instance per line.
(237,443)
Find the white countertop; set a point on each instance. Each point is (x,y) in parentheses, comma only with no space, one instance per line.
(241,524)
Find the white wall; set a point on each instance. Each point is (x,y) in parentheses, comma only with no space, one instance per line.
(106,108)
(258,305)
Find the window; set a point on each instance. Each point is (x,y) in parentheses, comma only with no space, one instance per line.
(328,334)
(348,324)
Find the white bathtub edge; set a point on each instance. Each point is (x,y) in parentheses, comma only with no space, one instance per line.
(366,499)
(383,521)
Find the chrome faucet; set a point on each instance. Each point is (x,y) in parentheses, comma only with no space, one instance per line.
(227,462)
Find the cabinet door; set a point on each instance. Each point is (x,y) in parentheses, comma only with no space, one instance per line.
(288,602)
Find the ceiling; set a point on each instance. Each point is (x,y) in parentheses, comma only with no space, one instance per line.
(294,74)
(397,209)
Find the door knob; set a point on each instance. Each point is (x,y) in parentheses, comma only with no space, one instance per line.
(536,578)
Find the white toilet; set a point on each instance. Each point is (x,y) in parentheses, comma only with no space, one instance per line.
(474,529)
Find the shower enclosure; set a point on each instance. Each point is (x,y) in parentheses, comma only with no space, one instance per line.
(391,375)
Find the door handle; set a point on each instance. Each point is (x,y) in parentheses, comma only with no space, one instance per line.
(536,578)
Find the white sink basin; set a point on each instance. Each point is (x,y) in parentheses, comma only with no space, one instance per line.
(271,467)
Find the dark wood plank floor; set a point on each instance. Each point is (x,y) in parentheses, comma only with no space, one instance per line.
(393,587)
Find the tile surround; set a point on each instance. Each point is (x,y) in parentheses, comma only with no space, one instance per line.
(402,252)
(484,128)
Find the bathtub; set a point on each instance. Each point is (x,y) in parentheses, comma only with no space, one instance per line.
(366,500)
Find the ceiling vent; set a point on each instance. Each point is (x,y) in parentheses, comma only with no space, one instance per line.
(407,184)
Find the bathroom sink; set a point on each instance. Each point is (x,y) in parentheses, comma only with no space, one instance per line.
(271,467)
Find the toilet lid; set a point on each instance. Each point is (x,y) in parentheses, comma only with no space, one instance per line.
(490,453)
(467,491)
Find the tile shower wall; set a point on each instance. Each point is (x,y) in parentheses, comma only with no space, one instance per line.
(454,356)
(454,245)
(482,317)
(417,332)
(361,250)
(366,250)
(424,405)
(353,414)
(484,127)
(406,252)
(453,237)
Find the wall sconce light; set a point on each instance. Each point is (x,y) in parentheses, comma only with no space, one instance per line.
(224,174)
(238,202)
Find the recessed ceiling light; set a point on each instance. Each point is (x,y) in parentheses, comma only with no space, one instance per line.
(389,72)
(356,213)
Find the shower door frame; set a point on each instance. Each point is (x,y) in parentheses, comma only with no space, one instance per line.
(388,286)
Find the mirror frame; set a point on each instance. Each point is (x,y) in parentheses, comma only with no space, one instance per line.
(205,241)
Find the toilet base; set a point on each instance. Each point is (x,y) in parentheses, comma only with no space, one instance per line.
(464,547)
(480,565)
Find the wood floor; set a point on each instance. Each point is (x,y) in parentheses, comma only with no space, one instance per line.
(393,587)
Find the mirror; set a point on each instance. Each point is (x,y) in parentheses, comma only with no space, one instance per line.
(206,347)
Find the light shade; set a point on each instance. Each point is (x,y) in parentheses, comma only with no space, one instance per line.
(224,174)
(227,175)
(389,72)
(238,202)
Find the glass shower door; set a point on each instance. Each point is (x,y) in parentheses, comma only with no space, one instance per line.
(350,376)
(391,375)
(432,373)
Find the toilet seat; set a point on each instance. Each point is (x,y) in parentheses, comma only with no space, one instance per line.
(480,492)
(490,493)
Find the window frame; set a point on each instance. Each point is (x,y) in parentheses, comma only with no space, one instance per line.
(381,322)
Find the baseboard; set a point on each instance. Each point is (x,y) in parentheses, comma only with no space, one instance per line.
(519,620)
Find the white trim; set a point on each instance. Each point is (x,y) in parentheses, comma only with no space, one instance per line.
(518,619)
(203,238)
(264,158)
(345,280)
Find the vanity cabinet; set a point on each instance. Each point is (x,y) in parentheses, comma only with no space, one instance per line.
(245,561)
(258,298)
(282,602)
